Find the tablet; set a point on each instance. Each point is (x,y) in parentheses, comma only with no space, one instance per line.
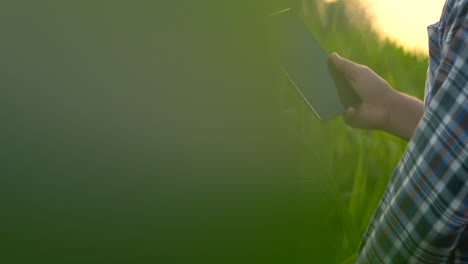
(309,68)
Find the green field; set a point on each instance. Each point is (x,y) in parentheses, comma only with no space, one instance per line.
(161,132)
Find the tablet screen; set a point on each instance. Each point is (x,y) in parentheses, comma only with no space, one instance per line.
(307,66)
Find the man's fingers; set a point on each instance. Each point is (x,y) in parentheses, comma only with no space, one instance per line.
(349,116)
(355,118)
(345,66)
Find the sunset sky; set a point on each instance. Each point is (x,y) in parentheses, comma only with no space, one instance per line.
(405,21)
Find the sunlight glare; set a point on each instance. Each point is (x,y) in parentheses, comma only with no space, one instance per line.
(405,21)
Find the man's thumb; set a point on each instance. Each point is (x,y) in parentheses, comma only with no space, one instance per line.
(345,66)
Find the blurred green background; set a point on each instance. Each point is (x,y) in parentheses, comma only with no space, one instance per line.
(162,132)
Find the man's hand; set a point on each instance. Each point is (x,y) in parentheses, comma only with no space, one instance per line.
(382,107)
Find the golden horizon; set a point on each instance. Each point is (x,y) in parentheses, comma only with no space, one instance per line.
(405,21)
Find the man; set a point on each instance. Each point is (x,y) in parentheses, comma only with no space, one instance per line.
(423,214)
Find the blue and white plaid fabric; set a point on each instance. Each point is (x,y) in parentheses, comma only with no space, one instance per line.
(423,214)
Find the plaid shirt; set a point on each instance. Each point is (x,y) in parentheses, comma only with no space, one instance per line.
(423,214)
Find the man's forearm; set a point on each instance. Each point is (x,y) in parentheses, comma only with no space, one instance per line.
(404,114)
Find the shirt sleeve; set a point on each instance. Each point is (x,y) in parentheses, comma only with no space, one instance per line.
(424,209)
